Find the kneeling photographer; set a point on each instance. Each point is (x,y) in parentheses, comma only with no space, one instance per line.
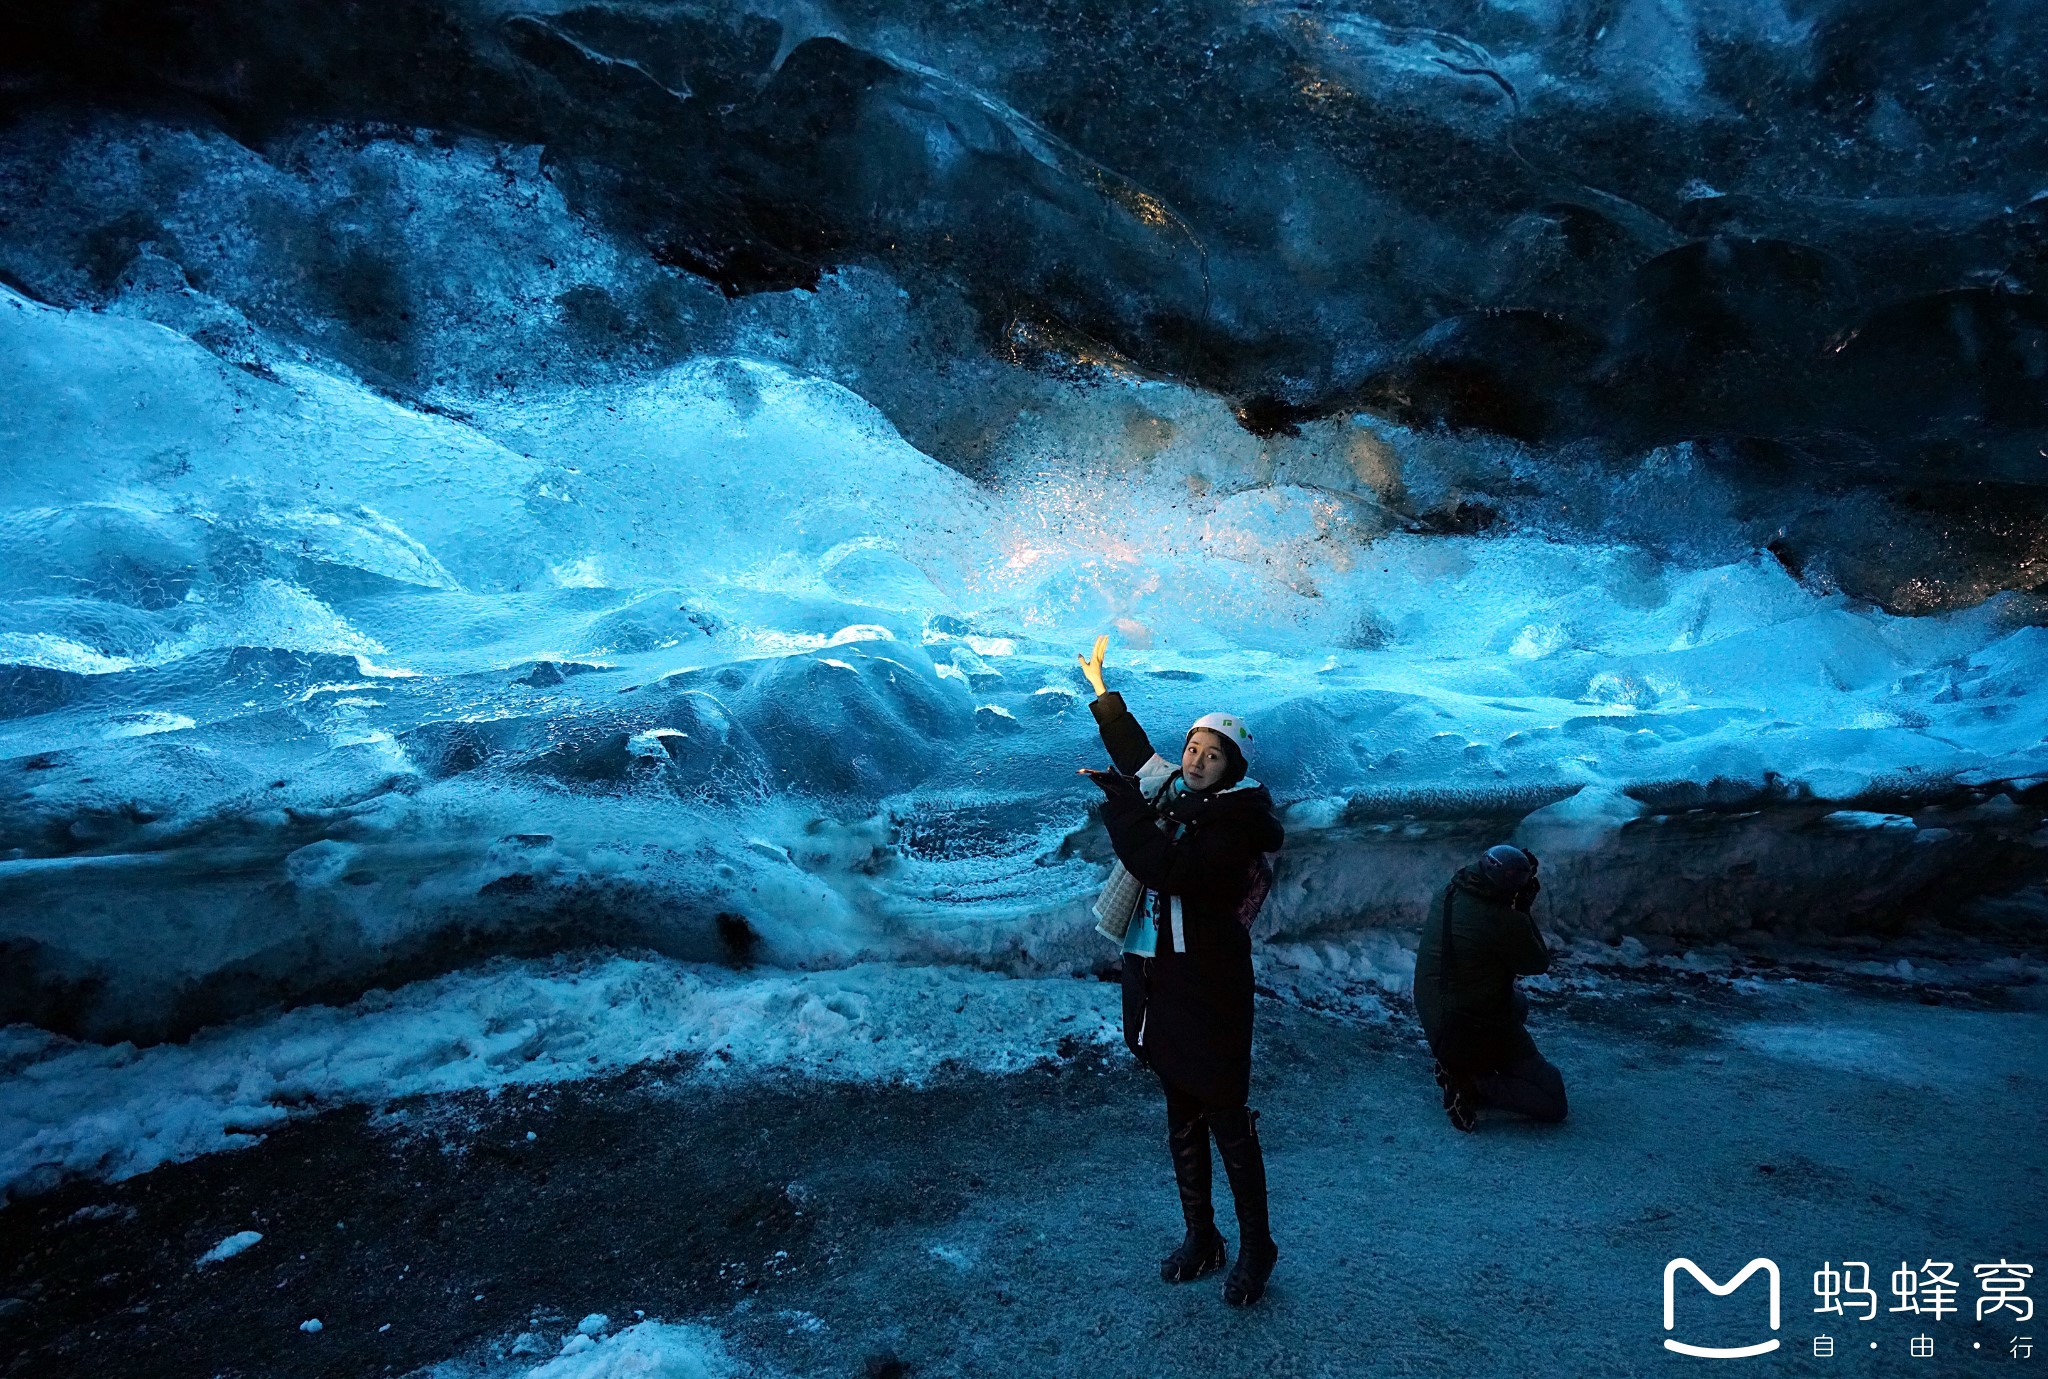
(1478,938)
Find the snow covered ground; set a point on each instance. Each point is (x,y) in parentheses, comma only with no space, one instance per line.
(70,1108)
(645,1350)
(655,1223)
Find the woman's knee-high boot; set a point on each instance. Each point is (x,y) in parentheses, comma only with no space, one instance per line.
(1202,1251)
(1237,1139)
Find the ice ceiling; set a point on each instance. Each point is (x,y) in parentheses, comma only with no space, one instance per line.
(483,479)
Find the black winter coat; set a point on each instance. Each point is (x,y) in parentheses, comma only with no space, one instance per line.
(1472,1013)
(1188,1015)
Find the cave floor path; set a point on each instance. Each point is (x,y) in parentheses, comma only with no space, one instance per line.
(1012,1225)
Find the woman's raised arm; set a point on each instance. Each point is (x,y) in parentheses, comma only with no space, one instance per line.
(1091,665)
(1128,746)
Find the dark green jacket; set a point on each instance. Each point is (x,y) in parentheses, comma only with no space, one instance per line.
(1492,943)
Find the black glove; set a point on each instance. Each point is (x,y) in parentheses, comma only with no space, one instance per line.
(1115,785)
(1526,896)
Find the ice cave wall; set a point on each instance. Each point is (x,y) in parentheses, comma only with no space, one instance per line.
(486,479)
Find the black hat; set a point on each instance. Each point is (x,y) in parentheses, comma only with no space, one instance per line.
(1507,868)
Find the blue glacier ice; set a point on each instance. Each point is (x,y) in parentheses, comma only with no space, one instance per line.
(308,690)
(539,539)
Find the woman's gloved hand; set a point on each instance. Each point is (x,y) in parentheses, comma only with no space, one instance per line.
(1114,785)
(1091,666)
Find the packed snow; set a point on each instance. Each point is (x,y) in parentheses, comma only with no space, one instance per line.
(230,1247)
(68,1107)
(650,1350)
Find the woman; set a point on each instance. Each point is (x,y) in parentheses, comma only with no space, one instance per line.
(1191,846)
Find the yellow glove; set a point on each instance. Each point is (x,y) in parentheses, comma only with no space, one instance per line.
(1091,665)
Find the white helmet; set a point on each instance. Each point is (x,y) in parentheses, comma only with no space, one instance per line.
(1230,728)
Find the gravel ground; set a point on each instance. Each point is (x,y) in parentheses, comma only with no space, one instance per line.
(1011,1226)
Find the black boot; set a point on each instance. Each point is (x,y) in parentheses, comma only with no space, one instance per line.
(1237,1139)
(1202,1251)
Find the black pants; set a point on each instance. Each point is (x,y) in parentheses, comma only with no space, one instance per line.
(1512,1075)
(1189,1124)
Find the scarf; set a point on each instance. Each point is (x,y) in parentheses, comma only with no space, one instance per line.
(1123,895)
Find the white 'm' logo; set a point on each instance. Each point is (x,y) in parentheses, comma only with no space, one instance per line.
(1719,1290)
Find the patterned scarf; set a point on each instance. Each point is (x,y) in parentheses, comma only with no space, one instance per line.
(1123,894)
